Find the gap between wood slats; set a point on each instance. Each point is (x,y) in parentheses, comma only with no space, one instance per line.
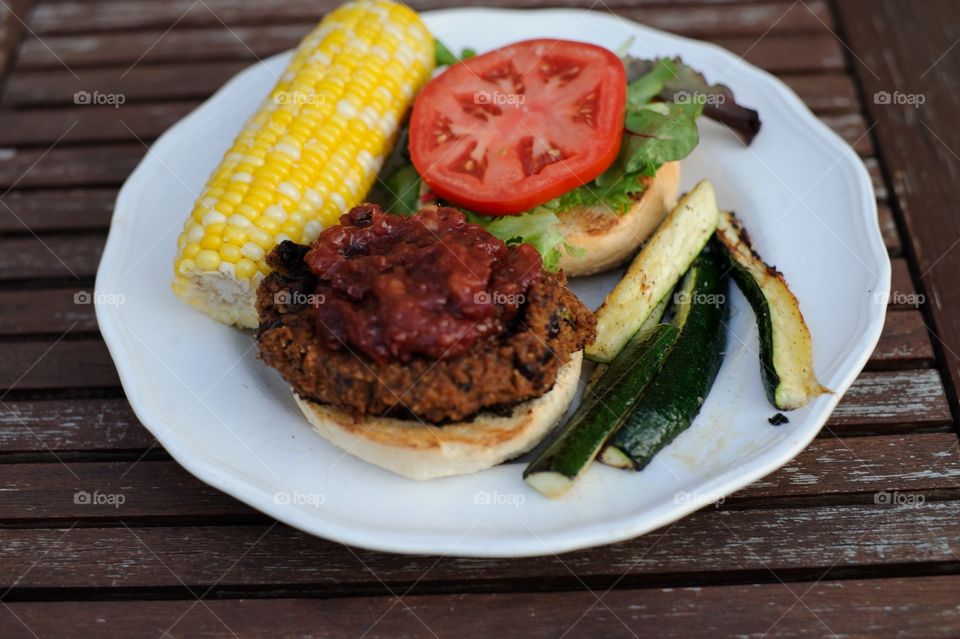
(814,542)
(921,606)
(916,160)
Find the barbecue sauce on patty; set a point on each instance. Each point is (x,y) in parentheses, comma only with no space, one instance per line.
(432,285)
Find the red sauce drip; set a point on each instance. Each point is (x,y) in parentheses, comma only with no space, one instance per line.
(430,284)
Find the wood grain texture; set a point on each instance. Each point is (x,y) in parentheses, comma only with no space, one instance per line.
(183,81)
(900,64)
(130,49)
(92,124)
(173,536)
(13,16)
(69,166)
(50,256)
(56,210)
(876,178)
(888,227)
(898,401)
(904,343)
(709,544)
(52,364)
(923,606)
(694,18)
(53,311)
(71,425)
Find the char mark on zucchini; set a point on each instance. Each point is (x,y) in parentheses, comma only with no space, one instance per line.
(786,346)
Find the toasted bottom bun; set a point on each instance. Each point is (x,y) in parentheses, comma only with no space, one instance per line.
(423,451)
(608,238)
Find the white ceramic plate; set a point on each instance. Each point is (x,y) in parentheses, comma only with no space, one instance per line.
(802,193)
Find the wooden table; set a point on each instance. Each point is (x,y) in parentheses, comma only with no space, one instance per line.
(807,551)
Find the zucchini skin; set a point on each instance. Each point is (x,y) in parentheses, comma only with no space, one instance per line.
(671,402)
(786,346)
(655,270)
(761,309)
(614,393)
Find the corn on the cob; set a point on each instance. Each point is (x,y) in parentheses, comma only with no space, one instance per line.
(311,152)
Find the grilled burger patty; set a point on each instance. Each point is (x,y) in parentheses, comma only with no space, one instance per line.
(520,363)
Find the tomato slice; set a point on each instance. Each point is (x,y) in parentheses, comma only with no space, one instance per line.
(510,129)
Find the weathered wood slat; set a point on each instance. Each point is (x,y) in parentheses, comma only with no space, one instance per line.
(892,402)
(920,146)
(730,18)
(853,129)
(36,364)
(774,53)
(47,311)
(104,165)
(904,343)
(91,124)
(13,15)
(823,92)
(877,403)
(707,544)
(779,55)
(922,463)
(876,177)
(857,467)
(888,226)
(53,256)
(903,294)
(71,425)
(921,606)
(56,210)
(189,80)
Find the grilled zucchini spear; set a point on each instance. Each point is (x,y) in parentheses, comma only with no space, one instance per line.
(673,399)
(786,348)
(655,271)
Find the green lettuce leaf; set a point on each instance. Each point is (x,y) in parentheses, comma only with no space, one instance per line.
(540,228)
(445,57)
(688,88)
(617,192)
(655,138)
(649,85)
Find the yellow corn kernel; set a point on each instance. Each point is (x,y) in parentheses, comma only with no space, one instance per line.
(310,153)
